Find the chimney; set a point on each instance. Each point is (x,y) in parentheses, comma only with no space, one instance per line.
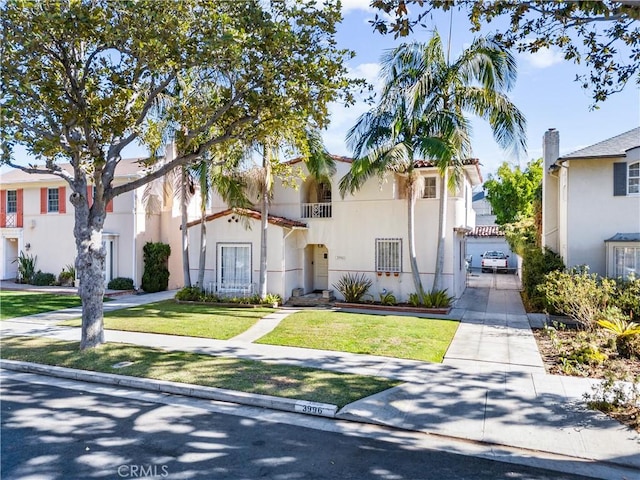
(550,147)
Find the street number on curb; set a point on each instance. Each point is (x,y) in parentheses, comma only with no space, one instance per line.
(315,409)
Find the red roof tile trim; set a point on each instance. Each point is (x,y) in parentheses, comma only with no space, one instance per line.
(487,231)
(247,212)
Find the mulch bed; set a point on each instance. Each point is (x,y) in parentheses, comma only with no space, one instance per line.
(560,350)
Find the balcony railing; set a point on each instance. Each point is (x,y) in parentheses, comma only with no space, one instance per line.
(316,210)
(11,220)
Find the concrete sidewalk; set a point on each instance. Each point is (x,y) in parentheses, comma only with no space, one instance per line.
(491,387)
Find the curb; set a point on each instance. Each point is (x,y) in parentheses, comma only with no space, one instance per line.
(163,386)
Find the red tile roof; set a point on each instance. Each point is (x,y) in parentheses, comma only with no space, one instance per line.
(487,231)
(255,214)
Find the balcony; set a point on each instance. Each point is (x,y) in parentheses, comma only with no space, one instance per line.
(316,210)
(11,220)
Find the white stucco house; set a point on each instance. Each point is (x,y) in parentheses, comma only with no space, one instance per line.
(315,236)
(37,218)
(591,204)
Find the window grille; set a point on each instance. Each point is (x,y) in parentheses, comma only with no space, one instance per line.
(388,255)
(53,200)
(12,201)
(429,187)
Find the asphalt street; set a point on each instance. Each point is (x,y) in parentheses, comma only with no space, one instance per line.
(55,432)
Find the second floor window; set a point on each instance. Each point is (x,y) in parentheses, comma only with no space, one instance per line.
(12,201)
(429,187)
(634,178)
(53,200)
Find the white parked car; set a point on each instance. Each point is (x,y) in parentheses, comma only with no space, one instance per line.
(494,261)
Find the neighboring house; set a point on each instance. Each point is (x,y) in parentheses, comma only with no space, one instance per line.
(591,204)
(486,235)
(37,218)
(315,236)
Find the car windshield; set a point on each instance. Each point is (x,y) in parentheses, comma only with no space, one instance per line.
(494,255)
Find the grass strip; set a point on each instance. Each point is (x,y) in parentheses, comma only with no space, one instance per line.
(192,320)
(19,304)
(223,372)
(396,336)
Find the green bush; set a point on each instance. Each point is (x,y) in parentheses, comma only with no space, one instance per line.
(156,274)
(272,299)
(388,298)
(26,267)
(191,294)
(66,278)
(353,287)
(433,299)
(536,263)
(627,296)
(120,283)
(43,279)
(578,294)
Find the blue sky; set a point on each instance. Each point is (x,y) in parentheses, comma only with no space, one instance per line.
(545,91)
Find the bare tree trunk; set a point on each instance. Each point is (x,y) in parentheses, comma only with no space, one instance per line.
(203,245)
(89,263)
(411,203)
(264,222)
(442,231)
(185,234)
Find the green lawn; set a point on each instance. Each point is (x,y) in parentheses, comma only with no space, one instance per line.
(192,320)
(230,373)
(17,304)
(387,335)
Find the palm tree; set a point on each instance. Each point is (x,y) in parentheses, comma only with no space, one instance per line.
(387,139)
(422,112)
(259,181)
(475,84)
(217,177)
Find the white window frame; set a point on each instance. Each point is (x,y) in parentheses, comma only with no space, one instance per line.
(12,203)
(635,178)
(235,286)
(50,200)
(428,188)
(388,255)
(626,260)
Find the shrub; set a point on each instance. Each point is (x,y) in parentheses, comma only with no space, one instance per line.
(66,278)
(191,294)
(272,299)
(437,299)
(577,294)
(627,296)
(353,287)
(537,263)
(388,298)
(43,279)
(627,333)
(432,299)
(120,283)
(156,274)
(26,267)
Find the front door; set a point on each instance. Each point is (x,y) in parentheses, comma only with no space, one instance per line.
(109,260)
(10,258)
(320,268)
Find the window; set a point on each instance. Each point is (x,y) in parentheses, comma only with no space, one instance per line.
(234,272)
(388,255)
(429,187)
(324,193)
(634,178)
(53,201)
(627,261)
(12,201)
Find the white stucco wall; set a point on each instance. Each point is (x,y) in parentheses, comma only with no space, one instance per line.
(594,214)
